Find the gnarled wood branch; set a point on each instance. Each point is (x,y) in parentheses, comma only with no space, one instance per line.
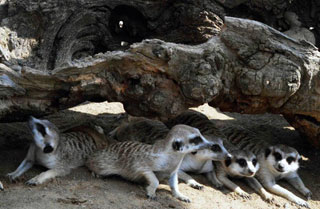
(248,68)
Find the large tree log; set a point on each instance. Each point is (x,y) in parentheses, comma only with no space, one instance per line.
(256,72)
(249,67)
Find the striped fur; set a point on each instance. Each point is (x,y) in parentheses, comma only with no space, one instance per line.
(58,152)
(268,173)
(137,161)
(219,177)
(197,120)
(149,131)
(141,129)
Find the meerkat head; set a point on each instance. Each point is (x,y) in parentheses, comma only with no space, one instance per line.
(216,151)
(242,163)
(186,139)
(282,159)
(45,134)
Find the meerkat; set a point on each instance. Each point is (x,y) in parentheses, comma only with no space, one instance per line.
(241,163)
(58,152)
(149,131)
(276,162)
(136,161)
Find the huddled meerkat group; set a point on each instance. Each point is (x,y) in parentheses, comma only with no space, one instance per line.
(145,150)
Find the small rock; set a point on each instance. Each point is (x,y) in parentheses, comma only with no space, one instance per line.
(286,206)
(171,206)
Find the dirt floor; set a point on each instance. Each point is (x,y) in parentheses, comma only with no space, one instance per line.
(81,190)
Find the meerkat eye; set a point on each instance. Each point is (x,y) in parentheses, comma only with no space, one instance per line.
(254,162)
(242,162)
(290,160)
(216,148)
(196,140)
(278,156)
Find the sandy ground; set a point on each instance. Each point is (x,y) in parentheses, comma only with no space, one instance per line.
(81,190)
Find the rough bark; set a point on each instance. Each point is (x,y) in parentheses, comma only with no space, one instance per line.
(248,67)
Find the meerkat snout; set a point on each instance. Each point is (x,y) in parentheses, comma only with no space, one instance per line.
(282,159)
(48,149)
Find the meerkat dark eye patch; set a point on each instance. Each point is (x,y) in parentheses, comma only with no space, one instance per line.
(254,162)
(227,162)
(277,156)
(41,129)
(177,145)
(290,160)
(242,162)
(216,148)
(196,140)
(267,152)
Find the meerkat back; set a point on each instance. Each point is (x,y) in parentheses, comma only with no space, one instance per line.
(141,129)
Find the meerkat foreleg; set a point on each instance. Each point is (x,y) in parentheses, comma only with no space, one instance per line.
(173,182)
(153,184)
(255,184)
(277,189)
(49,174)
(297,183)
(25,165)
(1,186)
(222,177)
(212,177)
(189,180)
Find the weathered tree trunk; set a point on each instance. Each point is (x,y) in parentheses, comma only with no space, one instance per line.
(248,67)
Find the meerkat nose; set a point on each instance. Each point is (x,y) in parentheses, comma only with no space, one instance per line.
(48,148)
(250,172)
(280,167)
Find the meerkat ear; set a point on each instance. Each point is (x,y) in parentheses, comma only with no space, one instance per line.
(267,152)
(35,125)
(299,158)
(177,145)
(227,162)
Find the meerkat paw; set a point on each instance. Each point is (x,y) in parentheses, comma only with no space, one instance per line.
(302,203)
(243,194)
(268,197)
(13,177)
(183,198)
(192,183)
(308,195)
(34,181)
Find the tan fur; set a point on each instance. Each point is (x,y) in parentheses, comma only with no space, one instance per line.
(267,175)
(149,131)
(66,151)
(100,139)
(137,161)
